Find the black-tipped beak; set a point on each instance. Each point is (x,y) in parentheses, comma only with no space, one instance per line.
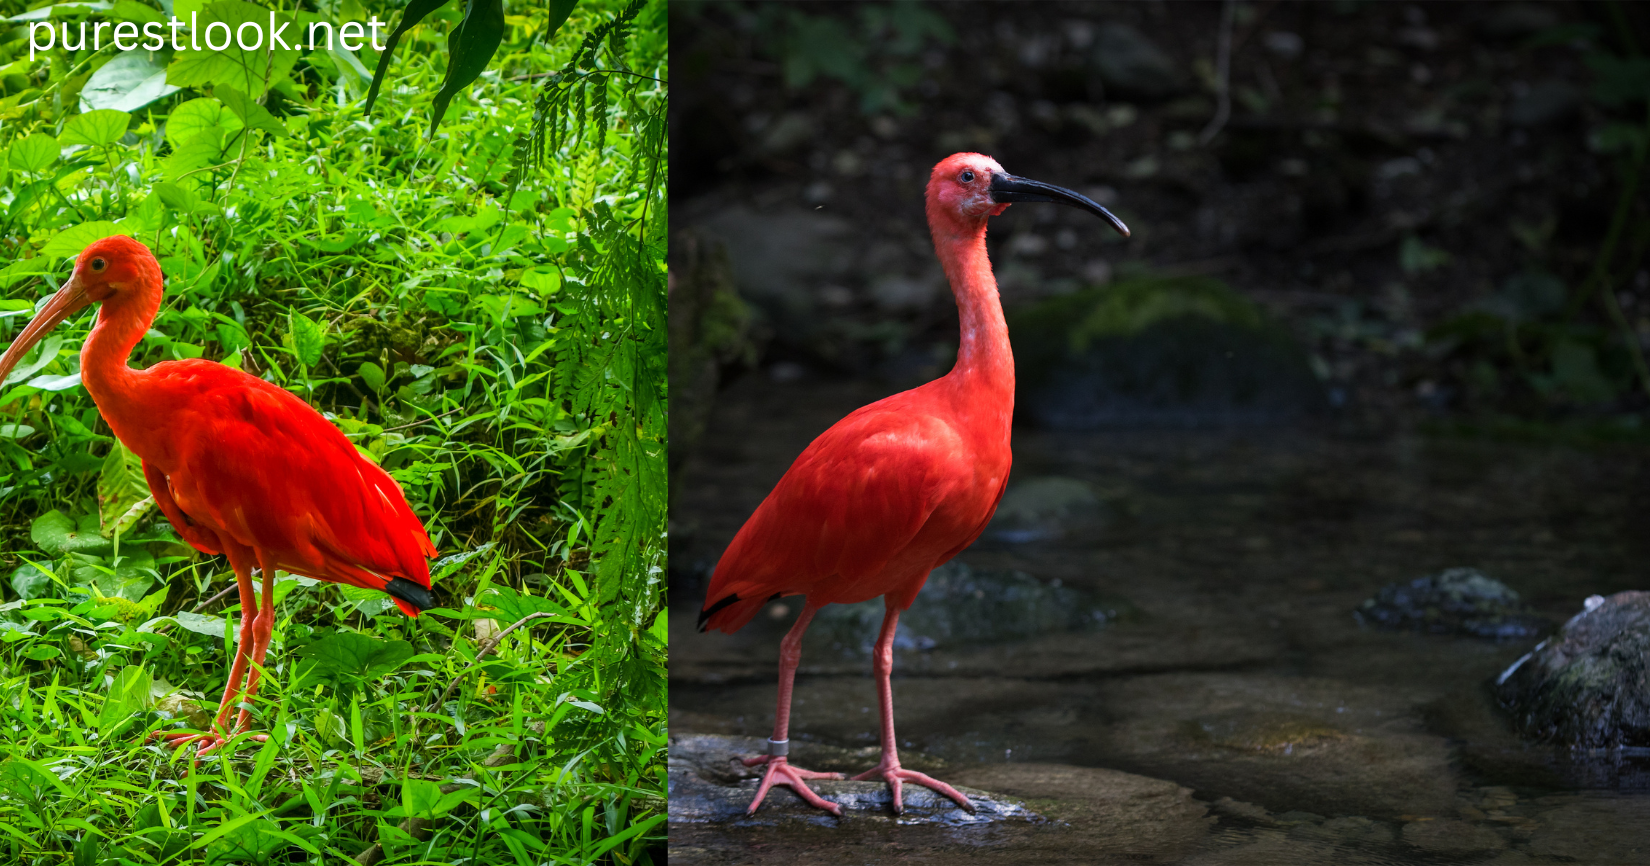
(1008,189)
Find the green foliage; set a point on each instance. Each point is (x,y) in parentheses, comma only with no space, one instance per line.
(481,311)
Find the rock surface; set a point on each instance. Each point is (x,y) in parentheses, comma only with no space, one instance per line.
(708,785)
(1454,601)
(1588,685)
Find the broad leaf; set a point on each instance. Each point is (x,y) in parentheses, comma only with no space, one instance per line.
(373,375)
(45,12)
(211,626)
(249,111)
(30,582)
(469,48)
(127,83)
(36,360)
(34,153)
(54,532)
(71,241)
(308,338)
(121,487)
(350,657)
(189,120)
(251,72)
(99,128)
(127,694)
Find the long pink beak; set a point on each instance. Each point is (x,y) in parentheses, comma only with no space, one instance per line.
(69,300)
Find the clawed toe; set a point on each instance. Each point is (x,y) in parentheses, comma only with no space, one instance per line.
(896,775)
(780,772)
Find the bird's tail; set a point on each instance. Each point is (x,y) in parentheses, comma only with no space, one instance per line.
(730,613)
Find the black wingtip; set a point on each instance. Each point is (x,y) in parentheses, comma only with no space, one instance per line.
(410,592)
(707,613)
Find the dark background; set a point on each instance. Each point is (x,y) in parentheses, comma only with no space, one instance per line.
(1420,194)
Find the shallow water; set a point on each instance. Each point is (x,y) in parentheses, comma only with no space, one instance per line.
(1239,672)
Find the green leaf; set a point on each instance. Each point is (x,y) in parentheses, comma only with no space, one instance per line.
(419,796)
(470,47)
(130,81)
(128,694)
(30,582)
(98,128)
(211,626)
(349,656)
(189,120)
(69,242)
(121,488)
(41,652)
(54,532)
(373,375)
(131,10)
(414,13)
(34,153)
(512,606)
(250,71)
(15,431)
(252,114)
(308,339)
(42,355)
(45,12)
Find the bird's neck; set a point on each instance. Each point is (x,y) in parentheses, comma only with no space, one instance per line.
(985,362)
(103,361)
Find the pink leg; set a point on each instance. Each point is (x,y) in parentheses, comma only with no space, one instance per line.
(888,768)
(262,628)
(211,740)
(780,771)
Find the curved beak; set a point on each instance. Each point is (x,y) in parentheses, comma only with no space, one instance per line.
(69,300)
(1007,189)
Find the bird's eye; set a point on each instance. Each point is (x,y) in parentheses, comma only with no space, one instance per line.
(99,264)
(968,175)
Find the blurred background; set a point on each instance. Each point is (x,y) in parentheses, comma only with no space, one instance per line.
(1384,313)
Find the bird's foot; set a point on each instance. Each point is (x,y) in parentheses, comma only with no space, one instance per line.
(895,776)
(780,772)
(208,741)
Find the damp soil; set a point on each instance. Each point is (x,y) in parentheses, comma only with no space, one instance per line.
(1235,711)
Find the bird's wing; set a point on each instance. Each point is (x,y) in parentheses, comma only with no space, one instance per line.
(849,504)
(259,465)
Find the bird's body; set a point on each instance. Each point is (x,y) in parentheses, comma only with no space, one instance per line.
(239,466)
(897,487)
(875,503)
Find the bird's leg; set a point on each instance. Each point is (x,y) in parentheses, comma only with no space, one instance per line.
(780,771)
(262,628)
(888,768)
(211,740)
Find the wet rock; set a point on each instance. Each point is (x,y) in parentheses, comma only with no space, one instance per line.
(1543,103)
(707,785)
(1184,352)
(962,606)
(1452,838)
(1279,733)
(1589,684)
(1132,66)
(1454,601)
(1038,509)
(1592,830)
(1137,813)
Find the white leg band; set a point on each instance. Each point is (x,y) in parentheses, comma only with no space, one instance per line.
(778,748)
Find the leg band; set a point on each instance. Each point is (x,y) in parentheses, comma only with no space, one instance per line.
(778,748)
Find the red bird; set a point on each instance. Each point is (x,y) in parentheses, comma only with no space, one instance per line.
(898,487)
(237,465)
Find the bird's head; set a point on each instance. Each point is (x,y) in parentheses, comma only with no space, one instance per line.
(118,272)
(966,188)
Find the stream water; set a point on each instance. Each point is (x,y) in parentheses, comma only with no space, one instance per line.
(1223,568)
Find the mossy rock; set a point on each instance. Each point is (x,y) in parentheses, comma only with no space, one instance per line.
(1159,351)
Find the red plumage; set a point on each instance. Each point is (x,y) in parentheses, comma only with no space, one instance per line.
(238,466)
(896,488)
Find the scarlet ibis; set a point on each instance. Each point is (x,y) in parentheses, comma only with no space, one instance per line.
(896,488)
(238,466)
